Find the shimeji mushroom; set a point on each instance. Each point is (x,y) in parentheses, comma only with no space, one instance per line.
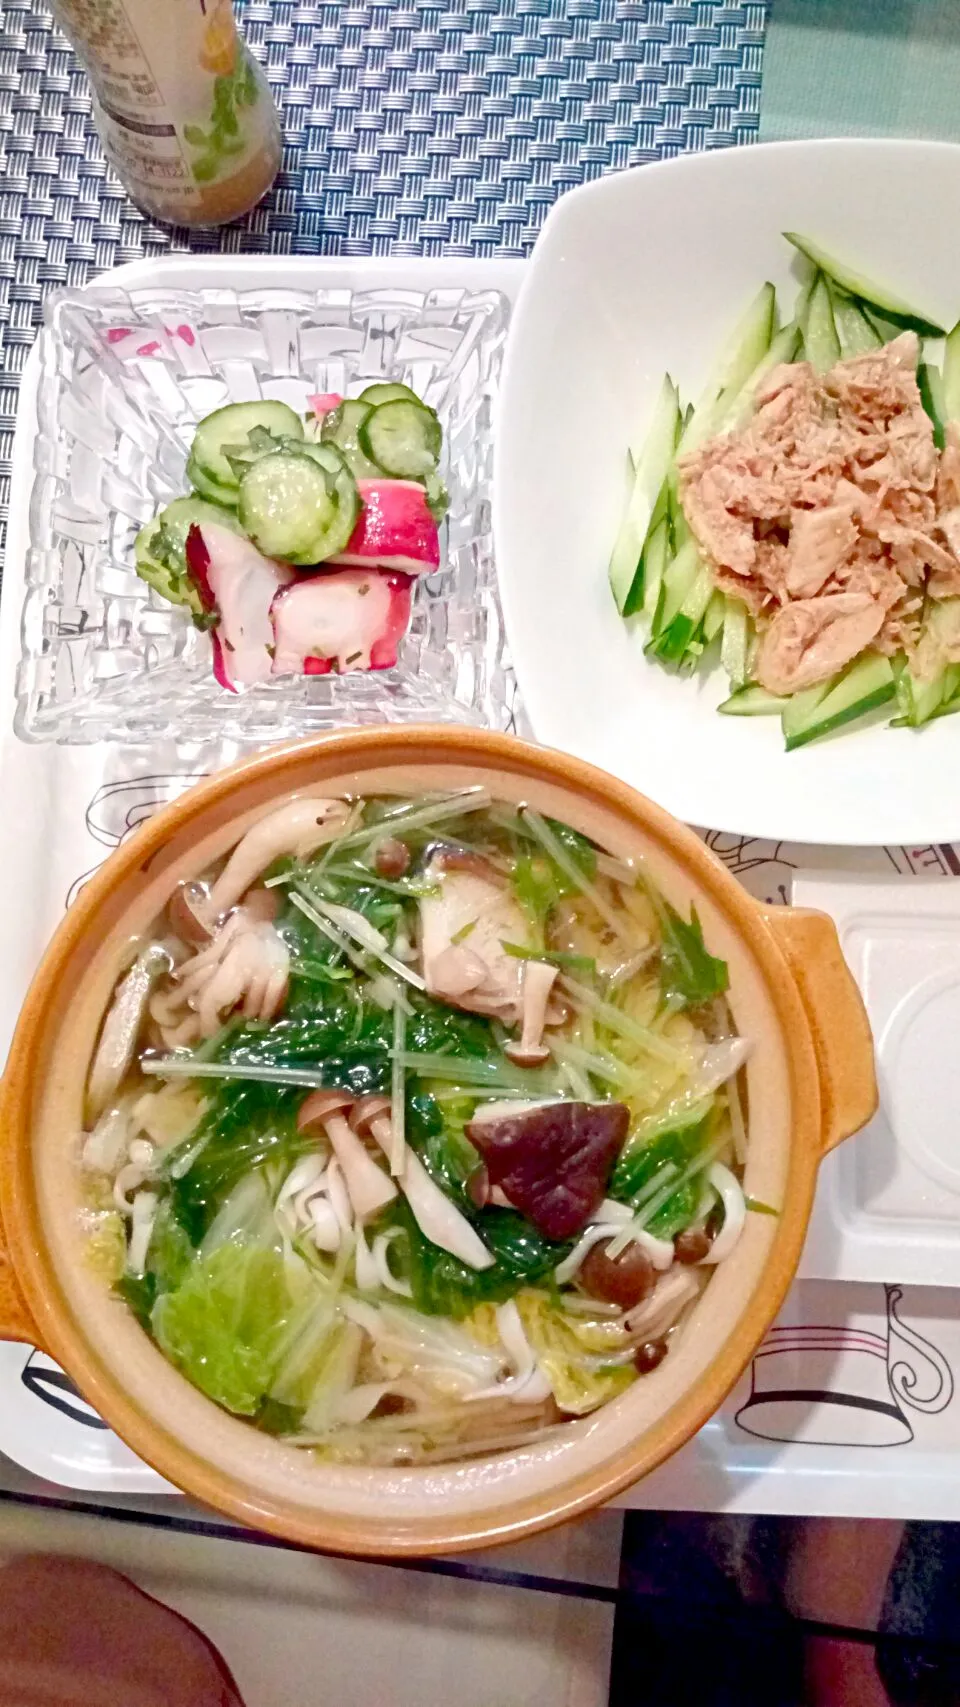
(144,1214)
(391,858)
(294,830)
(439,1220)
(528,1384)
(529,1050)
(187,915)
(136,1169)
(369,1187)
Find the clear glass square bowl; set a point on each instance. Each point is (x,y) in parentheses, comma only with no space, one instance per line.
(126,377)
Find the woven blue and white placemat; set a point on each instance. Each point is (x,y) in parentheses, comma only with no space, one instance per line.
(410,128)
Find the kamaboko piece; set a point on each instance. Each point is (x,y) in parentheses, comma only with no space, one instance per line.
(353,619)
(238,585)
(551,1160)
(395,529)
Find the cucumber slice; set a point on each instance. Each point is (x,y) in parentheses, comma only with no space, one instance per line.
(735,644)
(657,538)
(655,557)
(714,617)
(300,503)
(340,427)
(734,410)
(821,346)
(856,333)
(225,496)
(746,347)
(661,509)
(950,701)
(800,707)
(374,395)
(951,375)
(886,330)
(918,701)
(750,342)
(159,553)
(678,578)
(678,631)
(258,442)
(231,426)
(892,307)
(438,498)
(802,303)
(867,683)
(752,701)
(947,709)
(951,685)
(679,526)
(404,439)
(930,382)
(647,494)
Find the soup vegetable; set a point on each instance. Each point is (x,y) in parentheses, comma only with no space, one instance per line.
(414,1128)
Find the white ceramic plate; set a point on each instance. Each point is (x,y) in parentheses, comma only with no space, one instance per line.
(648,270)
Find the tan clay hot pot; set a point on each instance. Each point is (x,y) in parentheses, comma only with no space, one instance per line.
(810,1084)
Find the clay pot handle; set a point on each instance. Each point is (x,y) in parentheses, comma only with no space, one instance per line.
(838,1020)
(16,1322)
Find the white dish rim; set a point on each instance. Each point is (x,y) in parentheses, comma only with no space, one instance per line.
(903,823)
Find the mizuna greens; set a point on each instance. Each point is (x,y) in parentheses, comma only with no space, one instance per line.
(414,1127)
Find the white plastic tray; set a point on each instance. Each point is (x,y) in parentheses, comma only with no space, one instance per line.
(888,1206)
(848,1410)
(850,1368)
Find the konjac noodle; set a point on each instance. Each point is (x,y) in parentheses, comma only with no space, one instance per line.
(413,1129)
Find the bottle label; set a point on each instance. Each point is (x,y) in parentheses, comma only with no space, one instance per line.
(180,103)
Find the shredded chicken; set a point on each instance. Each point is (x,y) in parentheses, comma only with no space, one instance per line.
(831,513)
(820,541)
(811,639)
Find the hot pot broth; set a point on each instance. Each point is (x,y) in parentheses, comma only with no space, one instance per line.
(414,1127)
